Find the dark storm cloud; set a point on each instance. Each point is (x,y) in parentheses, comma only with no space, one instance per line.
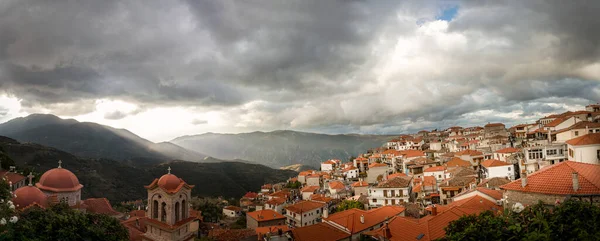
(304,63)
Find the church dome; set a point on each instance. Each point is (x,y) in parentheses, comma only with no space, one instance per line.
(28,195)
(59,180)
(169,182)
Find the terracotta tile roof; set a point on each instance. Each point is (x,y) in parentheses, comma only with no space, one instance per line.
(458,182)
(12,176)
(589,139)
(435,169)
(320,231)
(494,125)
(336,185)
(251,195)
(495,194)
(493,182)
(100,206)
(558,179)
(555,122)
(360,158)
(155,184)
(580,125)
(280,194)
(320,198)
(233,208)
(305,173)
(360,184)
(350,168)
(260,231)
(265,215)
(230,234)
(398,174)
(350,219)
(304,206)
(494,163)
(412,153)
(429,181)
(310,189)
(275,201)
(457,162)
(137,213)
(508,150)
(373,165)
(416,188)
(469,152)
(136,226)
(396,182)
(462,171)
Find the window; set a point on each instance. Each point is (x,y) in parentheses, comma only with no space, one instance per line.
(318,211)
(439,176)
(570,152)
(509,169)
(598,154)
(576,133)
(551,152)
(535,154)
(374,200)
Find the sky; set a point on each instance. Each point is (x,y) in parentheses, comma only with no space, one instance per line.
(163,69)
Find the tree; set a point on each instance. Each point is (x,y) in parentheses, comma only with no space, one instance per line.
(293,185)
(7,208)
(572,220)
(60,222)
(349,204)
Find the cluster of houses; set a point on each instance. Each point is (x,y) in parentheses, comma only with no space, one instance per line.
(413,185)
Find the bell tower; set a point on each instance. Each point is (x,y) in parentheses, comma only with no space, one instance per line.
(168,209)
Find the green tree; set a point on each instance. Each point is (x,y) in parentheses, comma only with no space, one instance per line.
(60,222)
(349,204)
(572,220)
(293,185)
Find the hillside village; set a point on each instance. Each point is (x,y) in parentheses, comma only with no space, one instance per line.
(412,186)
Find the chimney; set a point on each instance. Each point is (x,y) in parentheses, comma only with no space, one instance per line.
(325,213)
(433,210)
(523,181)
(386,231)
(362,218)
(575,181)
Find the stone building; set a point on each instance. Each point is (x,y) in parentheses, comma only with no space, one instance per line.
(168,215)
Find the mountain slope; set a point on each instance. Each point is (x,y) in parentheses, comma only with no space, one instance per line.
(119,181)
(92,140)
(281,148)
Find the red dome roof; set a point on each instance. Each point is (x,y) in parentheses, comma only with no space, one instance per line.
(28,195)
(169,182)
(59,180)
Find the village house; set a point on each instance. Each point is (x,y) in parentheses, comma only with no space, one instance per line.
(491,195)
(232,211)
(304,213)
(276,204)
(264,218)
(338,190)
(451,187)
(330,165)
(537,157)
(17,180)
(302,176)
(432,226)
(377,172)
(504,153)
(360,188)
(391,192)
(426,191)
(495,129)
(495,168)
(472,156)
(350,172)
(493,183)
(313,180)
(554,184)
(308,190)
(356,221)
(437,172)
(585,149)
(361,163)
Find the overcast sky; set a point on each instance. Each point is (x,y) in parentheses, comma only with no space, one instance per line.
(168,68)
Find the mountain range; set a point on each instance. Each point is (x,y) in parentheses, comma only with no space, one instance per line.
(91,140)
(281,148)
(122,181)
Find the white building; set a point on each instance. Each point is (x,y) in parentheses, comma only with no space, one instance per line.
(391,192)
(537,157)
(307,191)
(275,204)
(438,172)
(496,168)
(232,211)
(504,153)
(330,165)
(435,145)
(351,172)
(377,171)
(304,213)
(585,149)
(577,130)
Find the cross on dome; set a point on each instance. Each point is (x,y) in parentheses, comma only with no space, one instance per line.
(30,178)
(59,163)
(169,169)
